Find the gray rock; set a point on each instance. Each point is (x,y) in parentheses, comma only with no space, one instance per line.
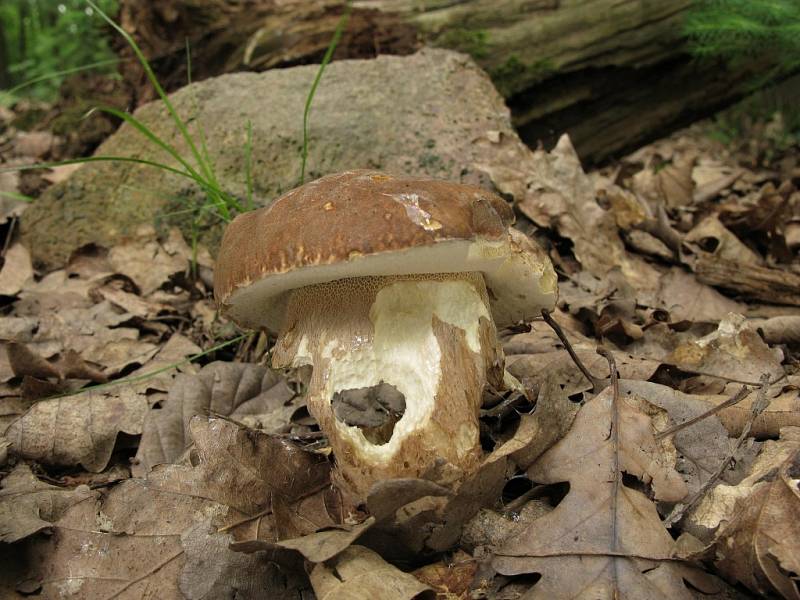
(434,112)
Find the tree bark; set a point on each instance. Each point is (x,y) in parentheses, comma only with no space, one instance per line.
(611,73)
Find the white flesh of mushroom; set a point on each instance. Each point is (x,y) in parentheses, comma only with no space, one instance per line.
(359,332)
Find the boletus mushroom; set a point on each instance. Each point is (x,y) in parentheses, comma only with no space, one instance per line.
(391,288)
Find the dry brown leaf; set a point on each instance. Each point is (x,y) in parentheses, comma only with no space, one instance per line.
(783,411)
(212,570)
(451,580)
(779,330)
(136,540)
(242,468)
(324,545)
(92,331)
(234,390)
(734,351)
(701,447)
(675,184)
(537,432)
(686,299)
(163,533)
(34,144)
(77,430)
(711,237)
(24,363)
(758,543)
(16,271)
(28,505)
(9,206)
(131,303)
(417,514)
(601,537)
(358,573)
(150,264)
(562,197)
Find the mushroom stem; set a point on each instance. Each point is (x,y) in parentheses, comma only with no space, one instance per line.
(399,367)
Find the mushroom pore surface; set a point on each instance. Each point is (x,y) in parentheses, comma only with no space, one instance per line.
(429,337)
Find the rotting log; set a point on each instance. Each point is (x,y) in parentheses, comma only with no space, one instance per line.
(611,73)
(775,286)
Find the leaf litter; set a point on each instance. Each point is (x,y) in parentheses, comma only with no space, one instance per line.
(208,481)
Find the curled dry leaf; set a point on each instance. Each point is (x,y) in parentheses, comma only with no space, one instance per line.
(416,514)
(603,536)
(783,411)
(758,542)
(77,430)
(229,389)
(360,573)
(324,545)
(28,505)
(16,271)
(538,431)
(779,330)
(561,196)
(711,237)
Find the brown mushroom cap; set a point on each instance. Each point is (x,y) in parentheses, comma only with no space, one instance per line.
(366,223)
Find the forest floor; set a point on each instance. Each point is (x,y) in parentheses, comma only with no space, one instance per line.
(681,259)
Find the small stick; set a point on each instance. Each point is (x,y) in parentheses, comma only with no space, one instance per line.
(597,384)
(735,399)
(759,406)
(617,476)
(518,503)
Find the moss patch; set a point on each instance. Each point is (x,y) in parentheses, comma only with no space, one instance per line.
(514,74)
(474,42)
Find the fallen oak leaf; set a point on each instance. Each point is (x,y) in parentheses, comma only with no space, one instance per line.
(592,540)
(229,389)
(158,533)
(242,468)
(77,430)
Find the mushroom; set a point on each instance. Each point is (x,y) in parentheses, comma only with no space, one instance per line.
(391,288)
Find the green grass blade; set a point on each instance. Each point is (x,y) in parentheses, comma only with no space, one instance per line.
(145,376)
(179,123)
(148,133)
(16,196)
(337,35)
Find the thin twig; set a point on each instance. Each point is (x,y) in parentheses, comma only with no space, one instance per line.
(761,403)
(616,475)
(735,399)
(597,384)
(520,501)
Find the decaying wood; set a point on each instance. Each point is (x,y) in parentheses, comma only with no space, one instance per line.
(759,283)
(611,73)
